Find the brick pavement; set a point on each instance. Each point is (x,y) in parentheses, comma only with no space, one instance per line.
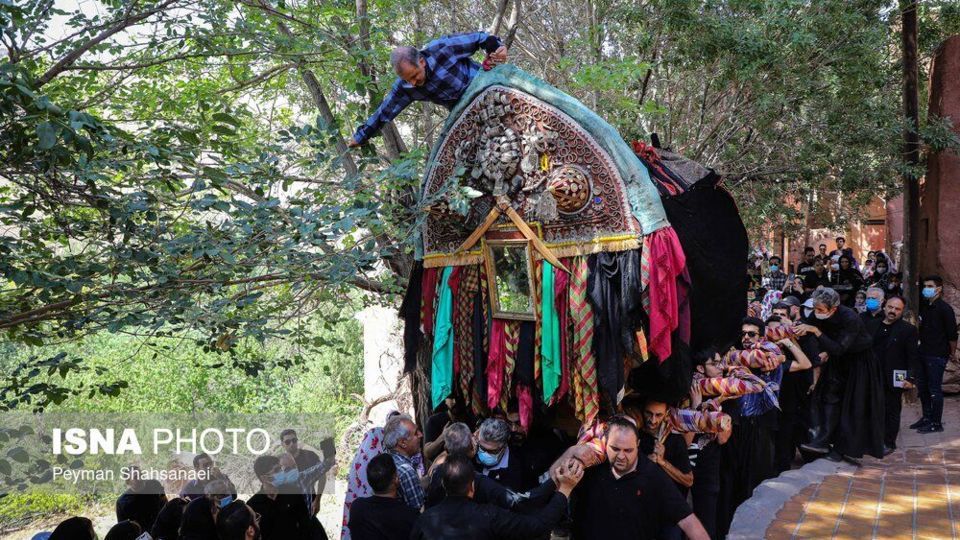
(913,493)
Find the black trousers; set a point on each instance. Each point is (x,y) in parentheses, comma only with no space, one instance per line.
(825,403)
(892,402)
(705,492)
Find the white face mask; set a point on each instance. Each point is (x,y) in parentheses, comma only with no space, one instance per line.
(822,316)
(807,311)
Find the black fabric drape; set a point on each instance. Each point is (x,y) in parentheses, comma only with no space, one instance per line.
(613,286)
(714,241)
(479,353)
(410,312)
(523,371)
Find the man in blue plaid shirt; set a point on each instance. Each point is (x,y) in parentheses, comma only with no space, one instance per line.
(402,440)
(439,73)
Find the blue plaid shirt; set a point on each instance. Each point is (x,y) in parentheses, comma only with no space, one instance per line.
(763,402)
(411,491)
(449,72)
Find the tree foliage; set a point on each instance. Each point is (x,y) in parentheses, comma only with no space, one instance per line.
(176,167)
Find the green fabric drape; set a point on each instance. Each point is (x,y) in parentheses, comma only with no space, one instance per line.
(550,348)
(441,368)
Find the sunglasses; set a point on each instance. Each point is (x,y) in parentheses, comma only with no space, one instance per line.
(749,334)
(288,442)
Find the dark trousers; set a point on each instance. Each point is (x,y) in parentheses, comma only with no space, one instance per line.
(892,401)
(930,386)
(705,499)
(825,403)
(794,419)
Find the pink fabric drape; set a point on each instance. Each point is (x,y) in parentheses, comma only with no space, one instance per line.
(428,307)
(496,360)
(667,263)
(525,403)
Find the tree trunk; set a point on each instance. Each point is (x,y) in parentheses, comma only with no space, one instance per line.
(392,142)
(911,151)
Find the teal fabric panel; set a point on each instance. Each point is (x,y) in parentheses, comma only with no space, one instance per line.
(550,365)
(441,368)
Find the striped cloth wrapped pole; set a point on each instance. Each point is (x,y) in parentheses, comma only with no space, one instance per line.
(582,358)
(538,336)
(463,328)
(739,383)
(691,421)
(765,357)
(779,333)
(512,332)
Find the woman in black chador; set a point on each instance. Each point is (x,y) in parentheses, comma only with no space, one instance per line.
(851,390)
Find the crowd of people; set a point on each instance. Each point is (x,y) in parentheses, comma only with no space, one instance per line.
(285,507)
(824,355)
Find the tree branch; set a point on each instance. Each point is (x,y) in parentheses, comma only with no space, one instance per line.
(71,57)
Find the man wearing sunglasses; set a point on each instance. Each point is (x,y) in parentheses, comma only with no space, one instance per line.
(749,459)
(313,483)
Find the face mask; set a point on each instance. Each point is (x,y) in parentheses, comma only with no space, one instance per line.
(929,292)
(835,267)
(486,458)
(872,304)
(822,316)
(285,477)
(226,501)
(774,268)
(881,270)
(807,311)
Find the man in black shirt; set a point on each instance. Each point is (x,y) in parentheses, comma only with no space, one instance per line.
(664,448)
(874,305)
(630,497)
(142,501)
(895,344)
(795,388)
(207,472)
(668,450)
(806,263)
(459,441)
(458,517)
(382,516)
(938,341)
(283,515)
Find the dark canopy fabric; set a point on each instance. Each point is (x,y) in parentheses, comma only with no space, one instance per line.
(715,243)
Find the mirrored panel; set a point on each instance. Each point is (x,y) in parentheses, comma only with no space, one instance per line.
(511,278)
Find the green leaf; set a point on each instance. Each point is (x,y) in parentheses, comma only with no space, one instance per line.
(18,454)
(226,118)
(47,132)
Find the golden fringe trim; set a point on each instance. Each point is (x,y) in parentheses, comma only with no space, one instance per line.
(561,250)
(440,260)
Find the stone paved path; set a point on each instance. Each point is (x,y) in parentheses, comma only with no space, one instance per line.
(913,493)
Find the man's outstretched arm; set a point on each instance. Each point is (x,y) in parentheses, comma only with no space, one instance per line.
(395,101)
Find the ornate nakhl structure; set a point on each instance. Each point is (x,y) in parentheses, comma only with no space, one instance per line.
(549,270)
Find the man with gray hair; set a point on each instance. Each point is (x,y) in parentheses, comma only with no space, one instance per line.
(459,441)
(440,73)
(401,439)
(873,305)
(498,460)
(853,395)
